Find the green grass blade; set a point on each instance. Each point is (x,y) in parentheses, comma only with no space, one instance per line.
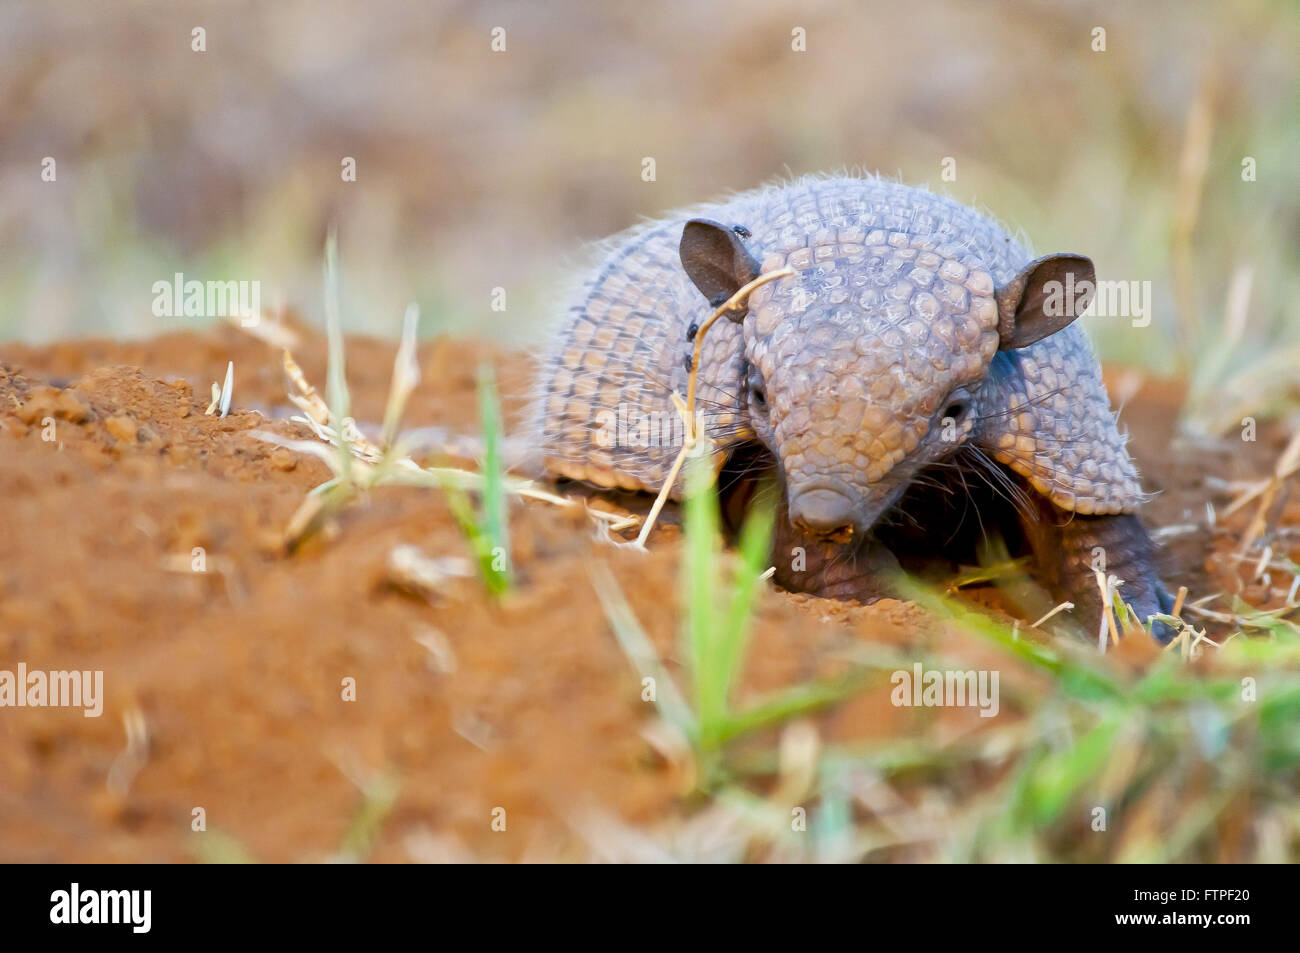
(755,551)
(641,653)
(702,522)
(1079,678)
(462,509)
(1055,780)
(495,526)
(789,703)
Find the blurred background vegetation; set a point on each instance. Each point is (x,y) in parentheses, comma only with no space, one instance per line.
(478,169)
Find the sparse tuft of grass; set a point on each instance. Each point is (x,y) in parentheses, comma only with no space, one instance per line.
(487,530)
(1092,758)
(1156,754)
(715,635)
(358,464)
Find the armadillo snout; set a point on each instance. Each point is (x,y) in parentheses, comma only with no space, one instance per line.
(824,514)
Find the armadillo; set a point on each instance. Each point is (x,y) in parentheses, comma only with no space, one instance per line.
(915,340)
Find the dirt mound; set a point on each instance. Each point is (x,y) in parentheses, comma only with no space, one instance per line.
(225,688)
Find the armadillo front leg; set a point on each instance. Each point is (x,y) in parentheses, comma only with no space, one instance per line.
(1070,548)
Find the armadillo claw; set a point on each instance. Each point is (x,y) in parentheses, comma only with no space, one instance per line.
(1071,554)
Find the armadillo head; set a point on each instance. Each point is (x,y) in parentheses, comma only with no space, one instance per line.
(866,365)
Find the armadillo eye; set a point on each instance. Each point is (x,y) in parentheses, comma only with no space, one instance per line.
(757,396)
(956,410)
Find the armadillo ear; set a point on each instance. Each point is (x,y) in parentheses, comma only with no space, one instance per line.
(716,261)
(1046,296)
